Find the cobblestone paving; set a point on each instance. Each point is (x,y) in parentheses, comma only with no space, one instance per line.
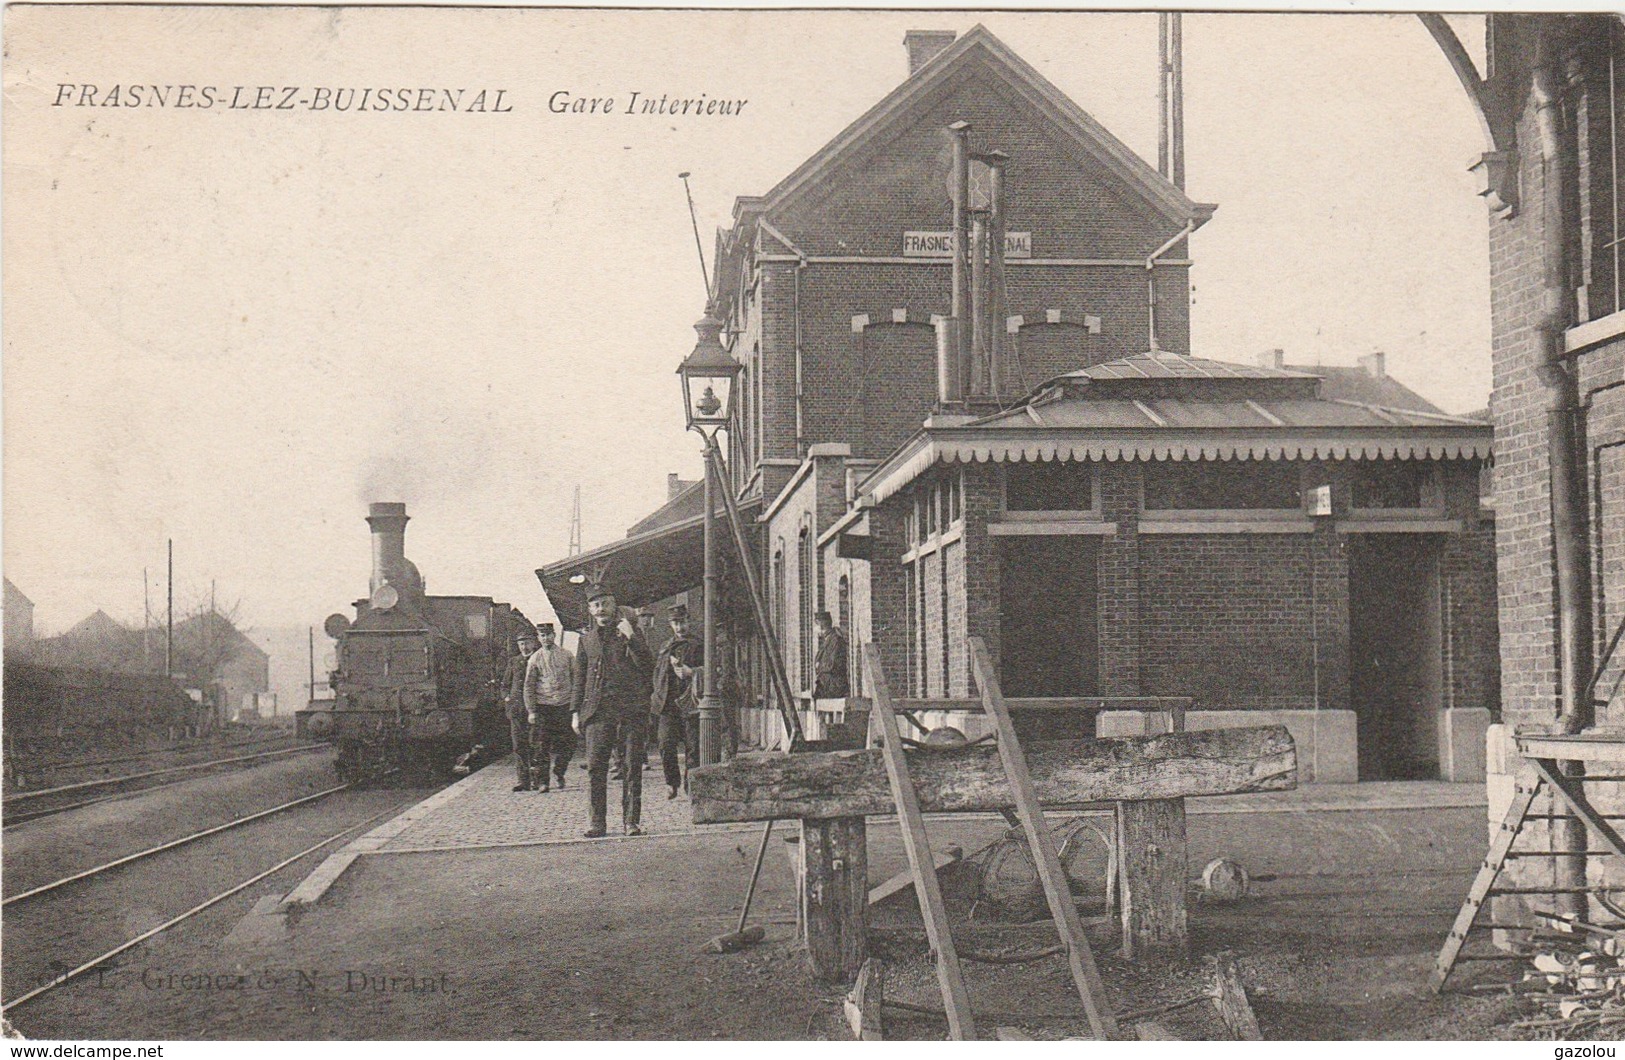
(488,812)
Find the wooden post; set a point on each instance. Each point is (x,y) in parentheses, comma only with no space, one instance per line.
(835,895)
(1153,869)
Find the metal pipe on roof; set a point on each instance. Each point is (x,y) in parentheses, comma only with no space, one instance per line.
(959,133)
(995,308)
(1151,280)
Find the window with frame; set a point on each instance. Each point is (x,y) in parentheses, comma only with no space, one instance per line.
(1384,485)
(1049,486)
(1234,485)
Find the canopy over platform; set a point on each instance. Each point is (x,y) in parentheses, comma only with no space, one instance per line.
(649,565)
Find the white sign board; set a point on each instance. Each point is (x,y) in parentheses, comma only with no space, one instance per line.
(941,244)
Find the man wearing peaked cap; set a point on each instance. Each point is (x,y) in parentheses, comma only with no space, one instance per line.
(549,680)
(675,702)
(513,698)
(611,695)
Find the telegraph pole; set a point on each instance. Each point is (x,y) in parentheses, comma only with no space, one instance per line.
(146,622)
(575,524)
(169,621)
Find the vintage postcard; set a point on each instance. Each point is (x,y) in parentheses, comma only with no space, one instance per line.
(811,525)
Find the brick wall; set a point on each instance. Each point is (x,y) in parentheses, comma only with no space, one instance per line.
(1071,204)
(1525,572)
(1118,582)
(871,388)
(1226,619)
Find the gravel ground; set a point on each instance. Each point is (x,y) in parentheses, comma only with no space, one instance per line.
(601,941)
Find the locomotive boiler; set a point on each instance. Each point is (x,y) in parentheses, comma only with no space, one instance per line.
(416,678)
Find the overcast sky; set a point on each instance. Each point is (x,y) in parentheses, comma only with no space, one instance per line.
(237,327)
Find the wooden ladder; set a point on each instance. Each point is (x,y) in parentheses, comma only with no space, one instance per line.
(1539,771)
(1080,959)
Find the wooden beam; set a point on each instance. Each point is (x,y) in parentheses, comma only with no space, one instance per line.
(1051,705)
(955,998)
(760,787)
(863,1005)
(1230,998)
(1153,867)
(1041,846)
(835,896)
(1582,748)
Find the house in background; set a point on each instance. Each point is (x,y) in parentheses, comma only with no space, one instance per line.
(19,619)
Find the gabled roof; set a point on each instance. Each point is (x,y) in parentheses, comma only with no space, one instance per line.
(97,624)
(979,44)
(222,624)
(14,593)
(1356,383)
(689,503)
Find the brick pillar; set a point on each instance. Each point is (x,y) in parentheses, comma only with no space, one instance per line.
(888,592)
(1118,584)
(977,580)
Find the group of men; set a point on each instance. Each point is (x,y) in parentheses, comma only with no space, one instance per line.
(617,688)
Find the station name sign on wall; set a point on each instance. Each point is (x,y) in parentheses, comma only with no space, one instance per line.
(941,244)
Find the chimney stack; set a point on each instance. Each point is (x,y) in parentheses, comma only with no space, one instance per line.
(388,522)
(674,485)
(1272,359)
(1375,365)
(924,45)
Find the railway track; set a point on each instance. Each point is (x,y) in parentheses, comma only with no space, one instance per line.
(28,806)
(153,753)
(107,873)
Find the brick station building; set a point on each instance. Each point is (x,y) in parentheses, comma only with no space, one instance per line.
(1116,517)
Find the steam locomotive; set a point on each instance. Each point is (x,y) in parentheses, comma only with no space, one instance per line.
(417,675)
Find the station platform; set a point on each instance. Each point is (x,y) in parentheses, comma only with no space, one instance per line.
(482,812)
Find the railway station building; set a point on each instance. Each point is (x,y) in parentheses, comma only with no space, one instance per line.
(1123,519)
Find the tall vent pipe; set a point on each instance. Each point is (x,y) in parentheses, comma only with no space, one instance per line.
(995,301)
(388,522)
(953,347)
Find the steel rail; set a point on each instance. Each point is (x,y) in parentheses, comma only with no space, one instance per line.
(171,845)
(6,1006)
(188,767)
(86,763)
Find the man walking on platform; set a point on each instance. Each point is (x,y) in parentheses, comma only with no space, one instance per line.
(611,694)
(549,684)
(675,704)
(513,698)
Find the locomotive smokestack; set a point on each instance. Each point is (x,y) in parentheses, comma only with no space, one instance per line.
(388,522)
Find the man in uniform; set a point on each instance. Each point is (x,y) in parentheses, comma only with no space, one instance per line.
(611,694)
(675,703)
(830,665)
(549,684)
(513,698)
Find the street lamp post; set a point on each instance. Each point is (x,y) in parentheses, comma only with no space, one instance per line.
(708,376)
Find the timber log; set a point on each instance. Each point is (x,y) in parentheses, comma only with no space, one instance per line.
(760,787)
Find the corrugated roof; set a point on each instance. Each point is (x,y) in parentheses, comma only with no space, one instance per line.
(1164,413)
(1187,408)
(1161,364)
